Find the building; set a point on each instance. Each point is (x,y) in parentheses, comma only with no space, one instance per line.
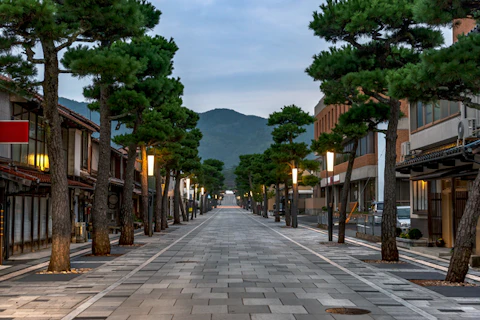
(367,183)
(442,159)
(25,182)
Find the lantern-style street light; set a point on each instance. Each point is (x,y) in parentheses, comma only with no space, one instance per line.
(295,197)
(150,173)
(329,164)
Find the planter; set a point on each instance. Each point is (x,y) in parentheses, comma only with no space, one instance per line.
(440,243)
(409,243)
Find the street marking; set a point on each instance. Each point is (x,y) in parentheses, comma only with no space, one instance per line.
(425,263)
(45,264)
(371,284)
(84,306)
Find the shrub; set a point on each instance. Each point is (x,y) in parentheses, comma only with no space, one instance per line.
(415,234)
(324,208)
(398,231)
(404,236)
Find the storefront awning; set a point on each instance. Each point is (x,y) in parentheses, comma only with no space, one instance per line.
(40,178)
(452,172)
(445,155)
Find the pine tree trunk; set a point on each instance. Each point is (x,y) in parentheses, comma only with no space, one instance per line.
(182,209)
(61,224)
(100,239)
(165,201)
(158,198)
(126,211)
(277,202)
(465,237)
(345,191)
(144,184)
(254,203)
(389,216)
(176,199)
(288,217)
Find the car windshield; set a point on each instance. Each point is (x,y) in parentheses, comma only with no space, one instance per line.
(403,213)
(380,206)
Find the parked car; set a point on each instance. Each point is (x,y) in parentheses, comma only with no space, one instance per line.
(377,209)
(403,218)
(403,215)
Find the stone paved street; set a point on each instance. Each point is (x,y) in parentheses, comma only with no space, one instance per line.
(231,265)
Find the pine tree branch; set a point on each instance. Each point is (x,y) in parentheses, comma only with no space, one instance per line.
(30,56)
(120,116)
(70,40)
(65,71)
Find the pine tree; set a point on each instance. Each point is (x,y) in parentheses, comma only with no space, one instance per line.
(377,37)
(56,25)
(450,73)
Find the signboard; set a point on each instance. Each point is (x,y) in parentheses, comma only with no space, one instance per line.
(14,131)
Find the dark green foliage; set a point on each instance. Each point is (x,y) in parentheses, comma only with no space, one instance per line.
(447,73)
(211,176)
(442,12)
(398,232)
(414,234)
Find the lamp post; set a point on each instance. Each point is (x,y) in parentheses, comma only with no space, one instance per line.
(202,202)
(295,197)
(187,181)
(150,173)
(330,163)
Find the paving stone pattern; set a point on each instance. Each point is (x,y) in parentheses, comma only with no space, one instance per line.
(234,266)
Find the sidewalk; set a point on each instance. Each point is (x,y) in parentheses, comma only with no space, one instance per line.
(435,262)
(27,262)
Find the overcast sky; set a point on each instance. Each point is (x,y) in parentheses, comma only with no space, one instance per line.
(246,55)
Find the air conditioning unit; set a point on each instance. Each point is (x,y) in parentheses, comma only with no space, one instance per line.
(405,150)
(467,128)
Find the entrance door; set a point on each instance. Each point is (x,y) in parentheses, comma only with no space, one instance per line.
(434,215)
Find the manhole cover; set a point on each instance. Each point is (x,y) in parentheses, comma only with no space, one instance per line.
(186,262)
(351,311)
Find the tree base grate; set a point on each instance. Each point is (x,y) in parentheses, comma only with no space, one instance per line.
(349,311)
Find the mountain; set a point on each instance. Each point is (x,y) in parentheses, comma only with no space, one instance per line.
(227,134)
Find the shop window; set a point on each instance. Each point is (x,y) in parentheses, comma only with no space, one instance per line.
(34,153)
(420,196)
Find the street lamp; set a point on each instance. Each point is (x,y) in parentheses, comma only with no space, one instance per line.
(187,181)
(150,173)
(330,163)
(295,197)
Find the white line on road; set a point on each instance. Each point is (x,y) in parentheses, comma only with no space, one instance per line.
(368,282)
(84,306)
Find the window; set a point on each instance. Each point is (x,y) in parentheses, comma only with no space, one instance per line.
(35,152)
(427,113)
(420,197)
(84,150)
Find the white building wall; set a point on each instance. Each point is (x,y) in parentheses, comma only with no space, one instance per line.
(5,114)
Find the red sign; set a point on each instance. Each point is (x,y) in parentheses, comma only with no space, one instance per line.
(15,131)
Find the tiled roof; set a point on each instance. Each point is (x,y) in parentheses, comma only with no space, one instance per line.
(437,154)
(39,177)
(67,113)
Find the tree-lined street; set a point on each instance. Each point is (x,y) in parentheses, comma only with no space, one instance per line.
(229,264)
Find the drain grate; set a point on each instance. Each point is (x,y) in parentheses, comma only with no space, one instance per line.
(186,262)
(350,311)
